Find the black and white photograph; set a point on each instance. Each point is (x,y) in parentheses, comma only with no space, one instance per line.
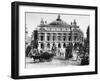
(51,40)
(56,40)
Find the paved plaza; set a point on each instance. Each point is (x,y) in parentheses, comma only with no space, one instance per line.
(55,62)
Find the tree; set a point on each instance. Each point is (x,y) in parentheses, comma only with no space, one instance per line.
(35,34)
(34,43)
(88,33)
(87,43)
(85,59)
(68,53)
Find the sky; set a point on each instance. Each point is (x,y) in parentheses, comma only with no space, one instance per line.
(33,20)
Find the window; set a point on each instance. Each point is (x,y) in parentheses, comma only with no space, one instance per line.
(64,38)
(54,38)
(42,45)
(48,38)
(64,45)
(59,34)
(42,38)
(70,33)
(48,45)
(75,36)
(54,34)
(59,45)
(69,38)
(59,37)
(65,34)
(53,44)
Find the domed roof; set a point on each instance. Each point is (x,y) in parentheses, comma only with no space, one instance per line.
(59,22)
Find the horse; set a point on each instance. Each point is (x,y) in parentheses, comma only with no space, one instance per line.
(36,57)
(42,57)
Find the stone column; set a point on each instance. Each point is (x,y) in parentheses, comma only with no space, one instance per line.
(72,37)
(45,46)
(51,36)
(45,36)
(51,46)
(56,36)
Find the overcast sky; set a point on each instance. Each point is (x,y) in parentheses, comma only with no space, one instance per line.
(33,19)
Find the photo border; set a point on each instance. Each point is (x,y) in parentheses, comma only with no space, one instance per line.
(15,39)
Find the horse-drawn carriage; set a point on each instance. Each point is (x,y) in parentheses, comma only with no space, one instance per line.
(41,56)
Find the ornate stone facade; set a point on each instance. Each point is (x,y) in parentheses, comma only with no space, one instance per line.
(58,33)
